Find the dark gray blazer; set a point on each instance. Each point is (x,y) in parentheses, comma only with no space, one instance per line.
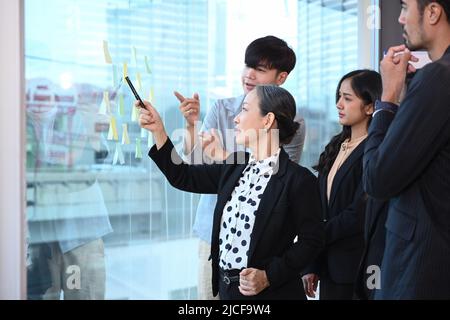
(407,160)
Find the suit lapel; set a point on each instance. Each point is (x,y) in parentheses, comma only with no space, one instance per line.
(268,201)
(346,166)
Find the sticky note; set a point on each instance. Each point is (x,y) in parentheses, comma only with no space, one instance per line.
(139,81)
(143,133)
(125,137)
(125,70)
(147,65)
(106,52)
(135,56)
(105,107)
(115,78)
(134,114)
(118,155)
(112,134)
(121,108)
(138,154)
(107,102)
(150,142)
(102,109)
(151,95)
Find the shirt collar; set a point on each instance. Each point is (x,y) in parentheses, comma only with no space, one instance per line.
(265,165)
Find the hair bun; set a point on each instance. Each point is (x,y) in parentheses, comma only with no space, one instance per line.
(290,128)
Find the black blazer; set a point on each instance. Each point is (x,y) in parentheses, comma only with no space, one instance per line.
(407,160)
(374,242)
(343,218)
(290,207)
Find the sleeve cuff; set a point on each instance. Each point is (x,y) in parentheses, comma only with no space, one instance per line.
(385,106)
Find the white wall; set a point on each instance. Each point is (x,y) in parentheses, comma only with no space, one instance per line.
(12,154)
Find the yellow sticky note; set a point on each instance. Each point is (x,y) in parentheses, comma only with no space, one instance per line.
(139,81)
(106,52)
(138,149)
(134,114)
(147,65)
(118,155)
(125,137)
(112,134)
(150,142)
(125,70)
(151,95)
(121,109)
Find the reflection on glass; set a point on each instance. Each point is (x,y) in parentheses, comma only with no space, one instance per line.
(102,222)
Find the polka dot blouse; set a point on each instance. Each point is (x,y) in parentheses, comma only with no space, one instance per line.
(239,213)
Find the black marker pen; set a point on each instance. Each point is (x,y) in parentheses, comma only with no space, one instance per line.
(135,92)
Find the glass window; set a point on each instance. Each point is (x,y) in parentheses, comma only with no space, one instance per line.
(102,220)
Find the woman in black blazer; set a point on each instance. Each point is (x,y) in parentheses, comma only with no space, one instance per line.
(342,196)
(264,201)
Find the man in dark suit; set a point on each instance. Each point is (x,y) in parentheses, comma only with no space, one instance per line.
(407,158)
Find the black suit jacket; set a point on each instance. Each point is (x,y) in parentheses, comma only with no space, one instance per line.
(374,242)
(290,207)
(407,160)
(344,221)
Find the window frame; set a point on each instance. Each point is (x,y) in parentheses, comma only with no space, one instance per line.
(12,157)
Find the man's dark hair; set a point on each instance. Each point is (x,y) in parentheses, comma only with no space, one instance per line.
(270,52)
(444,3)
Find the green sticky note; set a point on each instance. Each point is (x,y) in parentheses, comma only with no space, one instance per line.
(147,66)
(138,149)
(135,56)
(121,110)
(150,142)
(115,77)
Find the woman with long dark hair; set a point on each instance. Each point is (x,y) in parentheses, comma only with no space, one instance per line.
(342,196)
